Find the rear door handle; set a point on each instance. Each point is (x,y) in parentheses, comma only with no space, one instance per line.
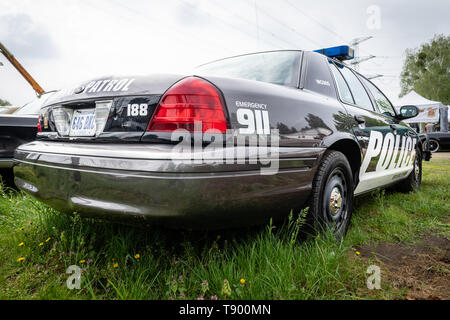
(393,126)
(360,119)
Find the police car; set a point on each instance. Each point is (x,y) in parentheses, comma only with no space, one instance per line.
(237,142)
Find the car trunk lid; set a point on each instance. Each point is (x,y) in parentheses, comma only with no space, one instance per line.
(104,109)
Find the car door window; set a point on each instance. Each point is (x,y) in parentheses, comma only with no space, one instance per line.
(359,93)
(383,104)
(344,91)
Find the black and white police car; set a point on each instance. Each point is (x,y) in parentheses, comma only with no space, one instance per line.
(237,142)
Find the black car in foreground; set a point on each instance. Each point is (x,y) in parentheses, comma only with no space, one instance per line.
(18,128)
(237,142)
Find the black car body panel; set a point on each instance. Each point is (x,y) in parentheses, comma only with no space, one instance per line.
(17,128)
(113,87)
(14,131)
(125,170)
(437,140)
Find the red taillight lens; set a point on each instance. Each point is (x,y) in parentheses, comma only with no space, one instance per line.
(188,101)
(39,127)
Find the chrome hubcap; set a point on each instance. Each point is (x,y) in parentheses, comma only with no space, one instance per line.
(335,201)
(434,146)
(417,169)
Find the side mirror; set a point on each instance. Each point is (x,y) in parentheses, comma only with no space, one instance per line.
(407,112)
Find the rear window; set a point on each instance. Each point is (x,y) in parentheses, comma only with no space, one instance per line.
(30,108)
(359,93)
(33,107)
(383,104)
(278,67)
(344,91)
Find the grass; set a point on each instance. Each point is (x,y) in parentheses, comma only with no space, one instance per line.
(275,261)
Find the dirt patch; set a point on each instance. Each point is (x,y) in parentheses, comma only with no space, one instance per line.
(441,155)
(422,269)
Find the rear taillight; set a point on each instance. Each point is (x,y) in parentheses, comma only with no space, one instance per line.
(39,127)
(188,101)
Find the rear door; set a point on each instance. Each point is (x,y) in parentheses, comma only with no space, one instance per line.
(373,130)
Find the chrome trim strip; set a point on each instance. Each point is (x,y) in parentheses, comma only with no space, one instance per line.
(166,175)
(150,151)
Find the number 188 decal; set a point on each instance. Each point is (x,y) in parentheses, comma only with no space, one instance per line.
(134,110)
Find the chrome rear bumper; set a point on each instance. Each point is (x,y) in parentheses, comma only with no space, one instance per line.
(143,184)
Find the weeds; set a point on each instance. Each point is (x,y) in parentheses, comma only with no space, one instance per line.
(276,261)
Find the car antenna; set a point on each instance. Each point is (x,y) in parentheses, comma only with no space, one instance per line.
(22,70)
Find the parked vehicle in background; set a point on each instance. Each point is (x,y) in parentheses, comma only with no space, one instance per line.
(15,129)
(8,109)
(107,147)
(437,141)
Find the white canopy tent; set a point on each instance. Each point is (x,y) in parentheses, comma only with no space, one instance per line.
(428,110)
(448,108)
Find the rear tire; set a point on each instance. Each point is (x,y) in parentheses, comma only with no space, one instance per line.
(414,180)
(433,145)
(331,200)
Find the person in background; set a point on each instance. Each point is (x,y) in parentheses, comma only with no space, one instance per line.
(437,127)
(415,126)
(429,127)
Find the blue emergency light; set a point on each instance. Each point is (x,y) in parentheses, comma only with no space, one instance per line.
(340,52)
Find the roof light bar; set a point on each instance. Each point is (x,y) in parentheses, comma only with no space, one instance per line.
(339,52)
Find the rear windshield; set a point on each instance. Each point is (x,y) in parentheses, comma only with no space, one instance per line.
(34,106)
(30,108)
(278,67)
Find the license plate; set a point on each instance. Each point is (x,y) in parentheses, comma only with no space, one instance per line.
(83,123)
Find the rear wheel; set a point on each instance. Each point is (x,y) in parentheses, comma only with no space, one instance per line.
(433,145)
(331,199)
(413,181)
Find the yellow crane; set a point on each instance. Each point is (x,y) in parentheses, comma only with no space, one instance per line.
(21,70)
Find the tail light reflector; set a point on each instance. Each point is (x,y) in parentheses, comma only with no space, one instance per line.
(39,127)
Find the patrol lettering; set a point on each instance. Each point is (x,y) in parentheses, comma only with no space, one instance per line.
(108,85)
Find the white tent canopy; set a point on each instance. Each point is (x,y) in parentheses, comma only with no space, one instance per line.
(428,110)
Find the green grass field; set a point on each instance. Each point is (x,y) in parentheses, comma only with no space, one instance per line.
(38,244)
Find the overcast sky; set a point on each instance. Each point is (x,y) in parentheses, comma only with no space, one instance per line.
(63,42)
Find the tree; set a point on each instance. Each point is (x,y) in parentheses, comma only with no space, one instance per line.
(427,70)
(4,103)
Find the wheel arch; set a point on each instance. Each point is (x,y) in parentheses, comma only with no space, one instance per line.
(352,151)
